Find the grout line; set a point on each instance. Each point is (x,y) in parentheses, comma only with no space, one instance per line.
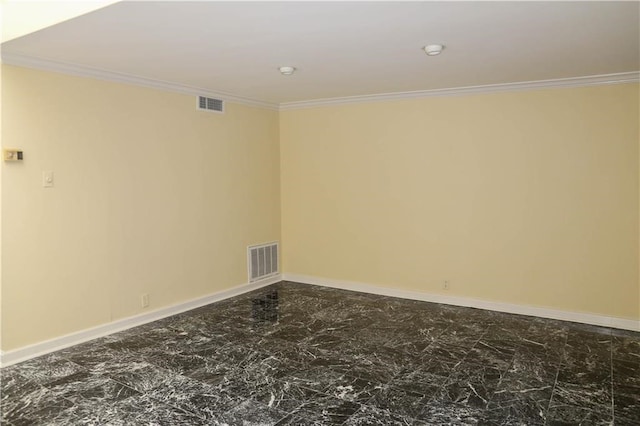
(555,382)
(613,397)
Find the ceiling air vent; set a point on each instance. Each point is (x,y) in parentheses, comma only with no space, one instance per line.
(210,104)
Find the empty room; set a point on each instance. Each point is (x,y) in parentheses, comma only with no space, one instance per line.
(320,213)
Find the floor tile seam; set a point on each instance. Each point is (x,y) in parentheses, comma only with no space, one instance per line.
(613,396)
(555,381)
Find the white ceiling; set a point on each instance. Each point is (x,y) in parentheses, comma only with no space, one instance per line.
(23,17)
(344,48)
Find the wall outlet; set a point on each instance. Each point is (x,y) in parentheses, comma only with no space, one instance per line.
(144,300)
(445,285)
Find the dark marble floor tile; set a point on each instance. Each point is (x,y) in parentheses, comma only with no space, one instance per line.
(532,367)
(32,405)
(143,377)
(378,364)
(85,385)
(469,385)
(212,373)
(586,371)
(564,415)
(519,390)
(618,332)
(450,414)
(549,353)
(588,395)
(589,328)
(48,368)
(139,410)
(496,354)
(626,348)
(250,379)
(316,378)
(289,353)
(286,396)
(509,332)
(182,392)
(624,422)
(626,403)
(322,411)
(626,373)
(181,363)
(327,342)
(399,402)
(589,342)
(131,343)
(463,334)
(544,330)
(419,381)
(354,389)
(17,393)
(446,350)
(374,416)
(13,385)
(438,366)
(298,331)
(522,412)
(249,412)
(522,397)
(302,354)
(102,360)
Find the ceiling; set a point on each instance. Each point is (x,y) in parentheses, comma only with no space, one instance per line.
(343,49)
(18,18)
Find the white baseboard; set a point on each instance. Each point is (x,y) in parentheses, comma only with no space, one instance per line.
(41,348)
(581,317)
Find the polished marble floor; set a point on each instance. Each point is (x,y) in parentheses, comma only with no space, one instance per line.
(294,354)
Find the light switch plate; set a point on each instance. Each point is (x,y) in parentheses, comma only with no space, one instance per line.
(47,179)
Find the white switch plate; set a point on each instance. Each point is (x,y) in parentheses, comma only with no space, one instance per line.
(47,179)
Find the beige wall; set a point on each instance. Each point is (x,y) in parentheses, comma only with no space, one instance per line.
(151,196)
(528,198)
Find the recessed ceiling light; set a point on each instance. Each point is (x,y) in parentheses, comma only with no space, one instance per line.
(286,70)
(433,49)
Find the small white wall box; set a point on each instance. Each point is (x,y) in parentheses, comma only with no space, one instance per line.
(12,154)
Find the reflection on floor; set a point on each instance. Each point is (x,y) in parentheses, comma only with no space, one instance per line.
(294,354)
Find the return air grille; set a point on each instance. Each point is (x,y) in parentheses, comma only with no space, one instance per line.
(262,261)
(210,104)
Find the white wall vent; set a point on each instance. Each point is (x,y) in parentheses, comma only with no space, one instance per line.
(210,104)
(262,261)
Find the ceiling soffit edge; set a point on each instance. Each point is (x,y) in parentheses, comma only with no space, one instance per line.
(84,71)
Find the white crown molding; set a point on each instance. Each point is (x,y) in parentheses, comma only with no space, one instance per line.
(84,71)
(100,74)
(42,348)
(580,317)
(594,80)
